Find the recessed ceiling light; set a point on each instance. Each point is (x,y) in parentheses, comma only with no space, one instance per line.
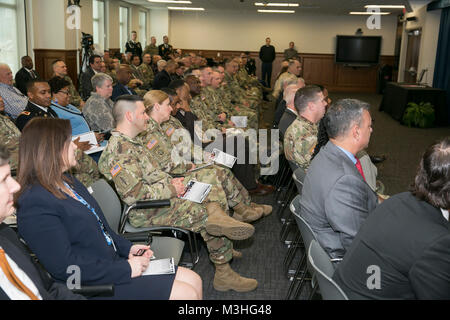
(275,4)
(369,13)
(276,11)
(171,1)
(186,8)
(384,6)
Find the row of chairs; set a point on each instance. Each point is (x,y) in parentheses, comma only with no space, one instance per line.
(314,265)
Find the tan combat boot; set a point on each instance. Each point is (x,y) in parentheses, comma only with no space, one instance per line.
(226,279)
(220,224)
(245,213)
(267,209)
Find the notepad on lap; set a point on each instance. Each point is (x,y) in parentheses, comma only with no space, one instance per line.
(160,266)
(223,158)
(89,136)
(196,191)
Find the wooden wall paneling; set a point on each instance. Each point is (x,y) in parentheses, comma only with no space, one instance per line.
(44,59)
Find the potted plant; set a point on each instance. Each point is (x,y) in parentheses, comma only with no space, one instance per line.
(419,115)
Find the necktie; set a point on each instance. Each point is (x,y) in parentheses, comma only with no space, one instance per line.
(359,167)
(12,277)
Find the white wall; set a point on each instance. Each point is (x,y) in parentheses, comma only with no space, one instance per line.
(159,25)
(48,24)
(247,31)
(429,23)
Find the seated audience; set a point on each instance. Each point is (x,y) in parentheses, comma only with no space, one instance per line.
(123,79)
(301,136)
(25,74)
(21,277)
(14,100)
(98,108)
(39,103)
(60,70)
(136,175)
(407,239)
(335,198)
(147,72)
(64,226)
(86,88)
(163,78)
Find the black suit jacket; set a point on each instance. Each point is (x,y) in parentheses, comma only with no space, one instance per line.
(119,90)
(164,52)
(162,80)
(408,240)
(21,79)
(32,111)
(286,120)
(85,83)
(48,288)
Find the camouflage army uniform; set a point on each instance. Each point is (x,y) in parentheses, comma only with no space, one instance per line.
(158,143)
(9,137)
(226,98)
(98,113)
(232,85)
(86,171)
(75,98)
(300,140)
(148,75)
(136,73)
(199,108)
(152,49)
(252,86)
(129,164)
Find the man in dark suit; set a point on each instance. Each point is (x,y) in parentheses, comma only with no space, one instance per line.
(123,79)
(336,199)
(39,102)
(165,49)
(15,261)
(95,65)
(402,250)
(25,74)
(163,78)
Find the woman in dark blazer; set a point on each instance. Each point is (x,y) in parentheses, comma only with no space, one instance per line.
(64,226)
(403,249)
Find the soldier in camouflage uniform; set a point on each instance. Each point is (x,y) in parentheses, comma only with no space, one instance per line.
(86,170)
(9,137)
(300,138)
(130,165)
(98,108)
(146,69)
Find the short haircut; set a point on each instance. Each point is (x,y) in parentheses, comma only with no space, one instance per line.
(4,155)
(161,62)
(176,84)
(135,55)
(99,79)
(432,182)
(31,83)
(56,61)
(124,104)
(305,95)
(342,114)
(93,57)
(57,83)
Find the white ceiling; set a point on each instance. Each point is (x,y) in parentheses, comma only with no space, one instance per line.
(335,7)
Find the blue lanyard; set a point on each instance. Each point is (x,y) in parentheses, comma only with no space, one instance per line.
(108,238)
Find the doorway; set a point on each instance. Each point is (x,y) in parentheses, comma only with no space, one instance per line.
(412,55)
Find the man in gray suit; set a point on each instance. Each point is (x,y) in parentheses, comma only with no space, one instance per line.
(336,200)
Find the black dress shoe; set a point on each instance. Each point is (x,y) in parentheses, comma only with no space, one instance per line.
(376,159)
(262,190)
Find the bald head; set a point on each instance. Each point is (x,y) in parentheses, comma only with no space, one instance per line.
(6,75)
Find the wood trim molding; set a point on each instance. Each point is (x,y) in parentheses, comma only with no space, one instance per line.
(44,59)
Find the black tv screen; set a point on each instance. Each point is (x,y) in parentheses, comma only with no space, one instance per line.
(358,49)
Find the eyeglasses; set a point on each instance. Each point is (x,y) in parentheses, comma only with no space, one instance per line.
(67,93)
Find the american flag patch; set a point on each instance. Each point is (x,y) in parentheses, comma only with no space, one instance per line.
(152,143)
(115,170)
(170,131)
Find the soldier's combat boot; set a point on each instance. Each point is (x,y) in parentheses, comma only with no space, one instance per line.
(267,209)
(226,279)
(245,213)
(220,224)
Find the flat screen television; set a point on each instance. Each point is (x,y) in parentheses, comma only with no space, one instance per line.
(358,50)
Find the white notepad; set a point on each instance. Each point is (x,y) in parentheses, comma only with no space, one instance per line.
(160,266)
(196,191)
(90,136)
(239,121)
(223,158)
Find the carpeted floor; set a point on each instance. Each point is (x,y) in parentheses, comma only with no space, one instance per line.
(263,254)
